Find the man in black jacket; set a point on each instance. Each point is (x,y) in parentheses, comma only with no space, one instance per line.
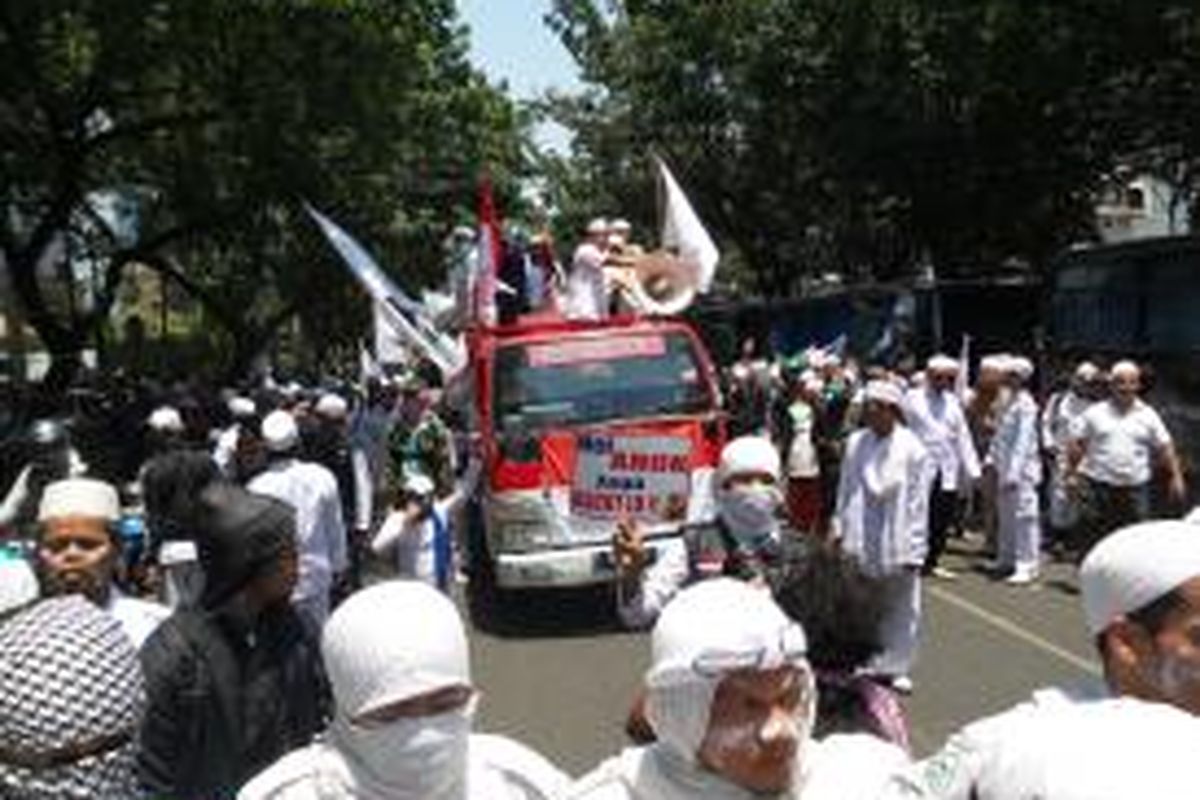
(237,682)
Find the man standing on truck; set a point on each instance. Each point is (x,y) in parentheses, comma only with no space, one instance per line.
(1114,450)
(745,540)
(587,290)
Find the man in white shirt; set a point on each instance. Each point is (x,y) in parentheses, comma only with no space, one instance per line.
(936,416)
(1115,448)
(882,520)
(419,531)
(587,288)
(320,533)
(78,549)
(1133,737)
(1014,455)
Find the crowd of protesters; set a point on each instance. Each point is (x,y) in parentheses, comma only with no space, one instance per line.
(258,607)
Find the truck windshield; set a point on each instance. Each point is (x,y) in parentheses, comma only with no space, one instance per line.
(589,379)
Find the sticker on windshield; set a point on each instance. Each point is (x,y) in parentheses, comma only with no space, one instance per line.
(607,349)
(647,477)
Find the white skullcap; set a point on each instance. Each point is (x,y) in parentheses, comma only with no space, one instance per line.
(1136,566)
(710,628)
(18,583)
(241,407)
(941,363)
(995,361)
(1126,368)
(391,642)
(748,455)
(884,392)
(165,420)
(419,484)
(280,432)
(597,225)
(79,497)
(620,225)
(1020,366)
(1087,371)
(332,406)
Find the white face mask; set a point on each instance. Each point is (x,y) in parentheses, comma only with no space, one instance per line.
(423,758)
(749,511)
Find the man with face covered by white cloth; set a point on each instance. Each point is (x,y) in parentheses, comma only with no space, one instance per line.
(745,541)
(397,659)
(731,697)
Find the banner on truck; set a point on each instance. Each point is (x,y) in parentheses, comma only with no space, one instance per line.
(645,477)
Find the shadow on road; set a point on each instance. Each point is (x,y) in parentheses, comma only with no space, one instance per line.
(545,613)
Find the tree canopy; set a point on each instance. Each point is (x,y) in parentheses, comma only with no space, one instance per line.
(215,120)
(866,138)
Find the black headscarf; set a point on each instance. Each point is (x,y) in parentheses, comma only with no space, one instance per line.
(241,536)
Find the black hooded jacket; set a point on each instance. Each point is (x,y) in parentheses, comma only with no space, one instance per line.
(229,693)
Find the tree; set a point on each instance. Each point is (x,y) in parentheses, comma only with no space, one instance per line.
(865,138)
(219,118)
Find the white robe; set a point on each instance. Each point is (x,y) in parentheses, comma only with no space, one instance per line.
(320,532)
(1065,747)
(883,500)
(840,767)
(938,420)
(499,769)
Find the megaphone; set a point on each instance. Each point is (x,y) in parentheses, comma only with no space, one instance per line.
(658,283)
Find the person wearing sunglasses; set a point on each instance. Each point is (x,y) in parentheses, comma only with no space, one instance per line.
(731,697)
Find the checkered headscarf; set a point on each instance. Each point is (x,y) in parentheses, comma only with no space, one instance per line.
(71,698)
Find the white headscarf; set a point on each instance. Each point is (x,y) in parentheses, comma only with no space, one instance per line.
(705,631)
(389,643)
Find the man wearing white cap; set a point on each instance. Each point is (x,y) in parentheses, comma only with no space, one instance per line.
(1115,448)
(1058,418)
(1137,736)
(78,549)
(985,406)
(731,698)
(1018,468)
(882,520)
(936,416)
(744,541)
(418,532)
(320,533)
(243,411)
(397,659)
(587,290)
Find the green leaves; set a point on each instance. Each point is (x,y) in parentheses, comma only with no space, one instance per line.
(821,135)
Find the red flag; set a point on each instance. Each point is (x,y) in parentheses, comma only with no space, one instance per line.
(490,254)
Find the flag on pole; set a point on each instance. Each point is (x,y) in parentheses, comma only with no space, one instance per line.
(488,262)
(683,231)
(389,344)
(392,306)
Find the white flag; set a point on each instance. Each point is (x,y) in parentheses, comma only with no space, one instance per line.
(683,232)
(392,305)
(389,344)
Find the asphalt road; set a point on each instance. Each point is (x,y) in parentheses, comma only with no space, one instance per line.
(559,675)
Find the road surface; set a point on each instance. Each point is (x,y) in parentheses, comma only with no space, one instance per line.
(560,675)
